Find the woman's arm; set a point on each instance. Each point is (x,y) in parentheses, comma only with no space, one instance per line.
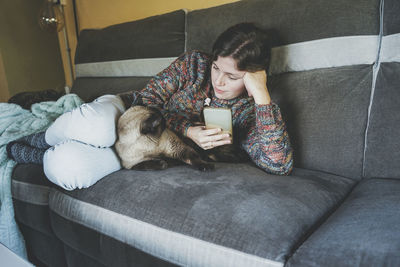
(267,141)
(161,87)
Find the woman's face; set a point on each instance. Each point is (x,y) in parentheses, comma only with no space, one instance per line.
(226,79)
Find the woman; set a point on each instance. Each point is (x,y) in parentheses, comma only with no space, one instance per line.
(234,76)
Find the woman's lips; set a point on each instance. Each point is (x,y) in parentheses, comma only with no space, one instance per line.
(218,91)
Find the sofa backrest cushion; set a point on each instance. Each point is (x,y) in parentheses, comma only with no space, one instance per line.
(134,50)
(382,157)
(295,22)
(320,73)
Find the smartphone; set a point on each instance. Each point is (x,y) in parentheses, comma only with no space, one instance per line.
(218,118)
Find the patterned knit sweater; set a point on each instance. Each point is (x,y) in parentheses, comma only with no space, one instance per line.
(179,92)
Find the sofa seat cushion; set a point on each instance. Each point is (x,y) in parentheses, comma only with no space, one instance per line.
(48,249)
(237,215)
(30,192)
(364,231)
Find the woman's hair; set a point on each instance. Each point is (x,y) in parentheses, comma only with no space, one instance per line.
(248,44)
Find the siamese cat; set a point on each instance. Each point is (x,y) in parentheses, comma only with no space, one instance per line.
(145,143)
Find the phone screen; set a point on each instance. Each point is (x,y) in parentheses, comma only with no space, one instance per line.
(218,118)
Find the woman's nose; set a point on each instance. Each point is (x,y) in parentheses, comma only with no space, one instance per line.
(220,79)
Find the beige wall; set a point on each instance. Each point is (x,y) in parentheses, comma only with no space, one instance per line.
(4,93)
(102,13)
(31,57)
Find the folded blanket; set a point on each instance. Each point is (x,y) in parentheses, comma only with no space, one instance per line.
(16,122)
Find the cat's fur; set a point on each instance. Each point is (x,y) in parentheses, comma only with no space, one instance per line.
(144,142)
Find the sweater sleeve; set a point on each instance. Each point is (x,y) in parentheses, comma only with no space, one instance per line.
(160,89)
(267,141)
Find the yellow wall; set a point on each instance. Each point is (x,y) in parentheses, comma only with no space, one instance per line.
(30,57)
(102,13)
(4,92)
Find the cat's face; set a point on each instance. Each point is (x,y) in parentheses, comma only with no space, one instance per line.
(141,122)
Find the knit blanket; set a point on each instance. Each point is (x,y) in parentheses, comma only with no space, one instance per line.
(16,122)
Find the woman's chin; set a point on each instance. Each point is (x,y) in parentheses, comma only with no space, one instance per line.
(219,96)
(222,96)
(226,95)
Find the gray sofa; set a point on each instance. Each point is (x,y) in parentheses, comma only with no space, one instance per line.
(335,73)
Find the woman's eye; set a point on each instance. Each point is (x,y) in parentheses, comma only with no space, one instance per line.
(215,67)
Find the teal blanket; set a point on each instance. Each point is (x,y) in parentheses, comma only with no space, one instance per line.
(16,122)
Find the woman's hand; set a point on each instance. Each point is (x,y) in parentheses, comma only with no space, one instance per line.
(256,86)
(208,138)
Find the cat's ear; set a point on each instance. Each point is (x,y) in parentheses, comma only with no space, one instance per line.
(137,99)
(155,124)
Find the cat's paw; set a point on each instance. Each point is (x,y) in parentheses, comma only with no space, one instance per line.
(155,164)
